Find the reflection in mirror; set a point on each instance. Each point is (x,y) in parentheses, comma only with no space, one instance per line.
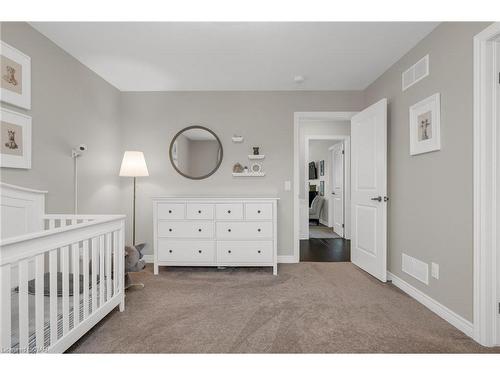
(196,152)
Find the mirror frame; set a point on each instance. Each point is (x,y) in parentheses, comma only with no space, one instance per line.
(172,145)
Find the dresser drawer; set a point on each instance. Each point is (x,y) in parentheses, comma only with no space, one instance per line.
(199,211)
(244,230)
(186,229)
(229,211)
(245,251)
(171,211)
(186,251)
(258,211)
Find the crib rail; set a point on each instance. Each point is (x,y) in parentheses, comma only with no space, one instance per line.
(82,258)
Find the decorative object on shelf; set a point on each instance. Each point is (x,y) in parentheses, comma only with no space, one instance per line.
(237,138)
(322,168)
(249,174)
(15,147)
(237,168)
(245,169)
(133,165)
(256,168)
(15,77)
(255,150)
(322,188)
(425,125)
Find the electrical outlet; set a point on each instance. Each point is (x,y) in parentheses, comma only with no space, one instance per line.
(435,270)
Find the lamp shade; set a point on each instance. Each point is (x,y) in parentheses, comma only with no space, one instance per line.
(133,164)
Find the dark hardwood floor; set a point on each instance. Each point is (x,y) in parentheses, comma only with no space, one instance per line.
(325,250)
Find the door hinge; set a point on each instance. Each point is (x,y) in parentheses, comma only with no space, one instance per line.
(343,152)
(343,225)
(499,307)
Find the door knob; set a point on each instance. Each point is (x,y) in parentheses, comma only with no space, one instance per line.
(379,198)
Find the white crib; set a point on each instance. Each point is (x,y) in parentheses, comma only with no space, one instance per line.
(59,274)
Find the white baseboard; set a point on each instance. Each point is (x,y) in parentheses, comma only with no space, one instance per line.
(324,222)
(286,259)
(451,317)
(303,236)
(148,258)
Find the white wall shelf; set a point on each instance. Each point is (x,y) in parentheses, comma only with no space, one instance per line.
(256,157)
(249,174)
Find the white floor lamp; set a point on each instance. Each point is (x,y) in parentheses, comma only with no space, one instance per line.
(133,165)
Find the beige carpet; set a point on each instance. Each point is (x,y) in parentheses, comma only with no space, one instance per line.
(308,308)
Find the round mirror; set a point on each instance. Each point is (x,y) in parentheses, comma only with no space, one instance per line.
(196,152)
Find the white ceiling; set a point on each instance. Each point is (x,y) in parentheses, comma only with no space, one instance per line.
(169,56)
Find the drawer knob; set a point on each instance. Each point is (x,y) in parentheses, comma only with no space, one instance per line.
(258,251)
(258,230)
(199,229)
(229,251)
(228,211)
(169,211)
(199,251)
(199,211)
(258,211)
(170,251)
(170,229)
(229,230)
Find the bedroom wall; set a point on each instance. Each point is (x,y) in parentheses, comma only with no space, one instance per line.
(430,207)
(70,105)
(265,119)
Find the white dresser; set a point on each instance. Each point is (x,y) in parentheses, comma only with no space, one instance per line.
(215,232)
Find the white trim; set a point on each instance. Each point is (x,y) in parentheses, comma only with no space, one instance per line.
(16,187)
(286,259)
(297,118)
(485,201)
(148,258)
(451,317)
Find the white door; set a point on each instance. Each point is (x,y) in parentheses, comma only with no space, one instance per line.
(369,190)
(337,193)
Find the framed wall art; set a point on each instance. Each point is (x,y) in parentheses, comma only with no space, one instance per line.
(15,76)
(15,138)
(425,125)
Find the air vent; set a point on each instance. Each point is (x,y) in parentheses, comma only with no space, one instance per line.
(417,72)
(416,268)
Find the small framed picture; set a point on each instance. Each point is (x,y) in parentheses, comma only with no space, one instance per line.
(425,127)
(15,138)
(322,168)
(322,188)
(15,77)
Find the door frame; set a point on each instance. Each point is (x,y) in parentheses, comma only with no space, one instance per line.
(299,117)
(486,171)
(346,186)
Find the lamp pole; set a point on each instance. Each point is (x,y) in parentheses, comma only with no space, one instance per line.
(133,225)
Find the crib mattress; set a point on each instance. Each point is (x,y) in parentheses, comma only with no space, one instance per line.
(31,318)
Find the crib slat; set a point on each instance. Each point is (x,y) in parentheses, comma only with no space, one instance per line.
(76,283)
(53,295)
(39,301)
(52,223)
(101,271)
(115,262)
(85,264)
(65,287)
(5,306)
(23,306)
(94,274)
(108,266)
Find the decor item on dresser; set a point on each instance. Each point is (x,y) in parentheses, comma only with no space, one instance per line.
(321,167)
(239,232)
(15,138)
(425,125)
(199,152)
(133,165)
(15,77)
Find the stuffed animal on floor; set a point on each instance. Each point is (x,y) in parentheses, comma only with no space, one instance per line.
(133,263)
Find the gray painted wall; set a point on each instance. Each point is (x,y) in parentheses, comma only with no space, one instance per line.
(265,119)
(70,105)
(430,207)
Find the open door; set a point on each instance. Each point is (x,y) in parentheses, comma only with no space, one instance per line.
(337,193)
(369,190)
